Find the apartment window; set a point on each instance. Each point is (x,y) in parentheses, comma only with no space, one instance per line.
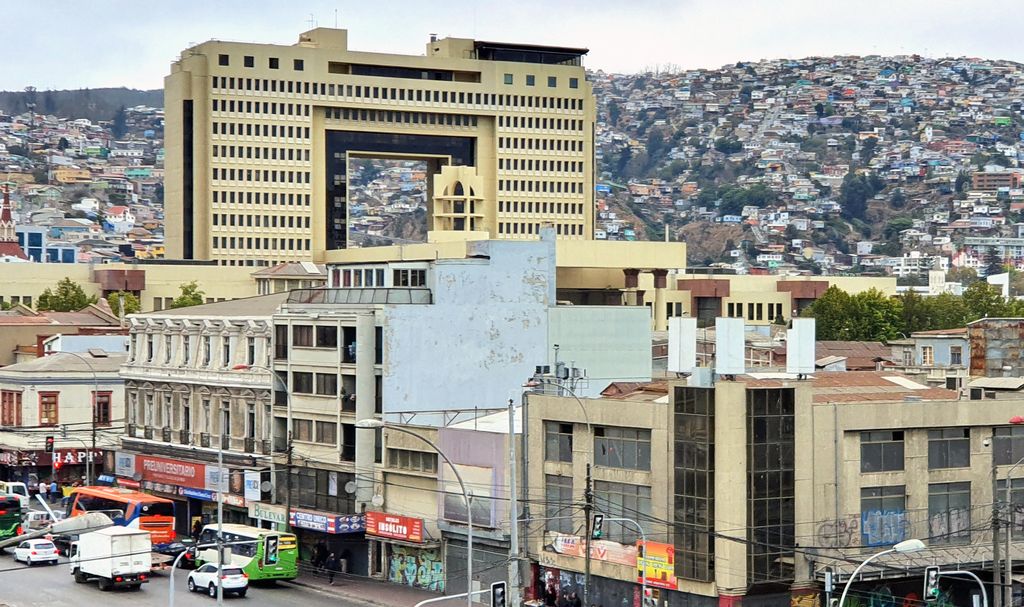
(409,278)
(416,461)
(101,408)
(694,486)
(883,499)
(949,513)
(949,448)
(956,355)
(273,63)
(302,335)
(558,506)
(10,408)
(622,448)
(150,349)
(48,408)
(250,421)
(508,79)
(280,342)
(927,356)
(557,442)
(223,60)
(298,65)
(530,80)
(1008,445)
(552,81)
(327,433)
(302,382)
(327,384)
(249,61)
(327,337)
(574,83)
(881,451)
(770,482)
(225,351)
(908,358)
(225,418)
(207,350)
(302,430)
(186,415)
(622,500)
(168,348)
(250,350)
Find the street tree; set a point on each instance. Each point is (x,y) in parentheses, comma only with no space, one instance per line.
(190,296)
(68,296)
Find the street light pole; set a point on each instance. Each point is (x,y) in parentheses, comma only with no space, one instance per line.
(373,424)
(641,561)
(90,465)
(903,547)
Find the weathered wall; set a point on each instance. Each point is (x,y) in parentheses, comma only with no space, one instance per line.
(612,343)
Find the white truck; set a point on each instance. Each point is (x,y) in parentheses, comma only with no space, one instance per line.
(116,556)
(18,489)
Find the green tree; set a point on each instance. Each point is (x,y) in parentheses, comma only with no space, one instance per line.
(190,296)
(67,297)
(868,147)
(982,299)
(962,180)
(869,315)
(819,109)
(946,311)
(963,275)
(132,305)
(728,145)
(119,126)
(853,196)
(63,144)
(898,199)
(613,112)
(831,313)
(993,262)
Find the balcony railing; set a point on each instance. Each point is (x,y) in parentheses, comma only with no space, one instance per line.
(250,445)
(185,437)
(225,443)
(265,447)
(148,432)
(166,434)
(204,440)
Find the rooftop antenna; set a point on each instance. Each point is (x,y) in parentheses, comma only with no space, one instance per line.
(335,18)
(312,21)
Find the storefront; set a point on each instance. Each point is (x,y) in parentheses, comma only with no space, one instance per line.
(268,516)
(342,534)
(67,466)
(399,554)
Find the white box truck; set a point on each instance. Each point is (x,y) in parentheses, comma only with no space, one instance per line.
(116,556)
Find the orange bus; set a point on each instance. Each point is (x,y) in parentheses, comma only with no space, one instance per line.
(127,508)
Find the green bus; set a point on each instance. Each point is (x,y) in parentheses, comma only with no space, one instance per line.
(271,555)
(10,516)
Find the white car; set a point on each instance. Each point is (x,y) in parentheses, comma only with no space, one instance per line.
(36,551)
(204,579)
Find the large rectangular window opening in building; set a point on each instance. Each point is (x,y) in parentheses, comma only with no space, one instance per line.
(770,484)
(557,442)
(388,201)
(558,504)
(881,451)
(627,448)
(949,513)
(694,482)
(949,448)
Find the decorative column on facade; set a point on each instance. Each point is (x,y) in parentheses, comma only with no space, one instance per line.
(660,312)
(366,399)
(630,285)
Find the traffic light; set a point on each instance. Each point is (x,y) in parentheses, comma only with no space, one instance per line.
(931,583)
(597,529)
(57,464)
(49,444)
(649,598)
(498,595)
(270,550)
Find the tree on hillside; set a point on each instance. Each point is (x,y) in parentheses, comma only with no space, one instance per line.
(67,297)
(853,196)
(868,147)
(132,305)
(728,145)
(190,296)
(993,262)
(119,126)
(983,300)
(963,275)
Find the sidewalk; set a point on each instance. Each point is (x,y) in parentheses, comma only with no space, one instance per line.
(363,590)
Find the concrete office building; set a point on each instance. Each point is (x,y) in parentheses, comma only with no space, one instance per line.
(259,139)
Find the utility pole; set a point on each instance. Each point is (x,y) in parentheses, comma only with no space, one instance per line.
(513,512)
(997,594)
(225,433)
(588,509)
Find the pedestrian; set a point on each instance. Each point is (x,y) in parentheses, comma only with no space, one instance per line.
(197,528)
(574,600)
(319,555)
(332,568)
(43,488)
(54,489)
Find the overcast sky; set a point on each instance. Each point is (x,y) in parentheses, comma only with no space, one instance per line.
(99,43)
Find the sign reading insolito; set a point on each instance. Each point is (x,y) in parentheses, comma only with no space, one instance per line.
(393,526)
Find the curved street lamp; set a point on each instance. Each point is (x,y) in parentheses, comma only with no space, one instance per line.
(904,547)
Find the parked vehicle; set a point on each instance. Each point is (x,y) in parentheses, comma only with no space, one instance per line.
(31,552)
(204,579)
(18,489)
(116,556)
(38,519)
(127,508)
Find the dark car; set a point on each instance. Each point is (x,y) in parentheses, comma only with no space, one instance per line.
(186,545)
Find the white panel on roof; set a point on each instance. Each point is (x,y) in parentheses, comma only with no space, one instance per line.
(905,382)
(682,344)
(800,346)
(729,345)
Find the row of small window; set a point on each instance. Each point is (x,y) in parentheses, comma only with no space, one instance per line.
(755,311)
(250,262)
(164,303)
(249,129)
(415,461)
(14,300)
(531,80)
(250,61)
(271,108)
(949,511)
(531,122)
(540,144)
(552,186)
(289,199)
(530,164)
(232,242)
(628,448)
(325,433)
(568,229)
(185,343)
(323,384)
(268,221)
(543,208)
(257,152)
(947,448)
(610,498)
(396,94)
(49,408)
(396,117)
(319,336)
(256,175)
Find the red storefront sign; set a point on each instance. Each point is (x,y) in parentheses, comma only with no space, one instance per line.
(394,526)
(171,472)
(73,457)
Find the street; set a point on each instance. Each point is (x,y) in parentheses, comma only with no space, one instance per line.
(53,586)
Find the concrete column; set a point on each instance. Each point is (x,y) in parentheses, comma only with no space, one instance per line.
(660,315)
(366,386)
(631,283)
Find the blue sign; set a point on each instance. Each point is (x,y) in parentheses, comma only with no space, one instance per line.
(327,523)
(199,494)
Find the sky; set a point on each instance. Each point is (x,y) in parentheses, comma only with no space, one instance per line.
(53,44)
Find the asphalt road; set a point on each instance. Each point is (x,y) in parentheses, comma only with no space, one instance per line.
(53,586)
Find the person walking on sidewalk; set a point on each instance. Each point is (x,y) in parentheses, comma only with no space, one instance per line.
(332,568)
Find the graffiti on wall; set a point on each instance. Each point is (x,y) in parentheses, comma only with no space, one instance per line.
(841,533)
(417,567)
(954,523)
(884,527)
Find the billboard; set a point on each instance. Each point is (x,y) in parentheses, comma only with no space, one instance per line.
(656,565)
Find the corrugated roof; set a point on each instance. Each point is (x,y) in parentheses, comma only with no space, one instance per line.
(258,305)
(998,383)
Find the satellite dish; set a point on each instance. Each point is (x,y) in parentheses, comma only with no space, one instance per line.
(265,486)
(377,501)
(350,487)
(137,476)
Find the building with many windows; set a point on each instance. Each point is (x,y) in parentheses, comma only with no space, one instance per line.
(259,140)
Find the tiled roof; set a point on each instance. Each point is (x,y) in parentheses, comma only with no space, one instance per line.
(863,386)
